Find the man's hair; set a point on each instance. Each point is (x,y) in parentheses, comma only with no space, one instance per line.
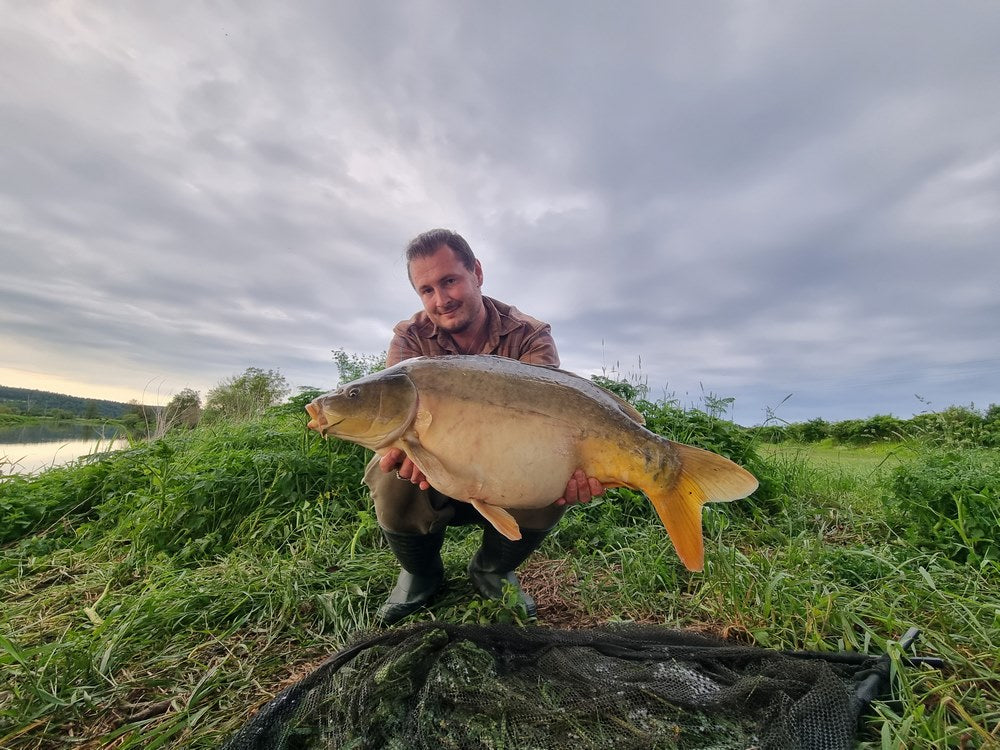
(428,243)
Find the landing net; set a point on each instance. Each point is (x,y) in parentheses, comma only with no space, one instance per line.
(456,687)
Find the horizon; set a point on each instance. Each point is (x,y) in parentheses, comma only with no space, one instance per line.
(682,403)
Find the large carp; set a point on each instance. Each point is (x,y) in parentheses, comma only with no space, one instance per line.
(499,434)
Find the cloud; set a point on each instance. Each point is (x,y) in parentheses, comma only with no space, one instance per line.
(753,200)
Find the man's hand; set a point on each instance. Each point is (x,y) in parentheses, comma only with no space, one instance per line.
(581,489)
(395,460)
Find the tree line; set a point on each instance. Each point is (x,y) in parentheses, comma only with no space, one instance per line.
(236,398)
(956,425)
(33,403)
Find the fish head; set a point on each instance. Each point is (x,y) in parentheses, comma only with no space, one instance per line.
(372,411)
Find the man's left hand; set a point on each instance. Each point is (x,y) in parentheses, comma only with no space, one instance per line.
(581,489)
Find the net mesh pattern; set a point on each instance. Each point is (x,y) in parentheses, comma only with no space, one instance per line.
(452,687)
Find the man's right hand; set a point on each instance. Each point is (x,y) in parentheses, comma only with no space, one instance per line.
(395,460)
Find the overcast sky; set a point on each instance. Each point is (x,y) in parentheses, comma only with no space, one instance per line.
(753,200)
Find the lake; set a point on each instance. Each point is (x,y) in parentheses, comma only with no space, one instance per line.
(29,449)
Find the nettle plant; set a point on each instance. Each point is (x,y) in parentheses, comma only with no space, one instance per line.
(949,502)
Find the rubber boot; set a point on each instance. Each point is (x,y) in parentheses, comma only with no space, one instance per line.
(496,560)
(421,576)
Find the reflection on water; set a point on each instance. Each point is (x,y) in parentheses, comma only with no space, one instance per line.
(28,449)
(58,431)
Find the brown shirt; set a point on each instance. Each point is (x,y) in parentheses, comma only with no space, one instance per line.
(509,333)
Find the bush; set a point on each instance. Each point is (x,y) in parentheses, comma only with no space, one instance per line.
(707,430)
(245,396)
(812,431)
(351,367)
(297,404)
(200,493)
(183,410)
(190,494)
(949,502)
(954,427)
(695,427)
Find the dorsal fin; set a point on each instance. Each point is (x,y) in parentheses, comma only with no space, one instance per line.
(630,411)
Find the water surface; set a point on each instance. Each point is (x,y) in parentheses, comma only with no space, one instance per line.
(29,449)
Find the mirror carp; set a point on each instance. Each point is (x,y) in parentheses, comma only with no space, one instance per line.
(498,433)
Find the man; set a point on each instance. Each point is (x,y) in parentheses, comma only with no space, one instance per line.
(457,319)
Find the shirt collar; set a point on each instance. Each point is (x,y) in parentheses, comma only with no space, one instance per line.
(497,325)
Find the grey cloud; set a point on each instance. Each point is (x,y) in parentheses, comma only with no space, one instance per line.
(763,200)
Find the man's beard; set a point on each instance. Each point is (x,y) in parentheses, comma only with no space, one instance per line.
(455,326)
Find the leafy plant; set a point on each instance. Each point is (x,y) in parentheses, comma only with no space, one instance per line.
(950,502)
(297,403)
(183,410)
(245,396)
(350,366)
(956,426)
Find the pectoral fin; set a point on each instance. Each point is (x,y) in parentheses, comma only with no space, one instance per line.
(502,521)
(422,422)
(426,461)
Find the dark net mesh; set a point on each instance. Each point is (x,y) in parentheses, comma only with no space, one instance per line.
(461,686)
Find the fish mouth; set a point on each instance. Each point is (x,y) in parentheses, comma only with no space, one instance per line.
(318,421)
(327,428)
(324,428)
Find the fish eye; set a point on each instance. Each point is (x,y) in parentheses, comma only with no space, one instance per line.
(353,393)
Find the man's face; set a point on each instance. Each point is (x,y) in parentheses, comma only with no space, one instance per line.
(448,290)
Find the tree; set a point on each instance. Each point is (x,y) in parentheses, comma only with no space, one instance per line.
(184,409)
(814,430)
(350,367)
(246,396)
(139,417)
(992,415)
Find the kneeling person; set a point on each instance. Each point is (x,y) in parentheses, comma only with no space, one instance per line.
(457,319)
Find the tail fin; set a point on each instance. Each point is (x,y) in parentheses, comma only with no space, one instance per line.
(702,477)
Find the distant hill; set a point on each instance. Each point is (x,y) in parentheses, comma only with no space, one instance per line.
(29,401)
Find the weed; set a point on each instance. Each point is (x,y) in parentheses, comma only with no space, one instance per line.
(949,502)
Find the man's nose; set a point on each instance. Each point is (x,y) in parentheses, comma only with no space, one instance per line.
(441,299)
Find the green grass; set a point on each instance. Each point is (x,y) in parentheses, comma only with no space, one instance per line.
(156,596)
(859,462)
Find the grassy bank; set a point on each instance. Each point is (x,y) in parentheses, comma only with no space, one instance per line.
(154,597)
